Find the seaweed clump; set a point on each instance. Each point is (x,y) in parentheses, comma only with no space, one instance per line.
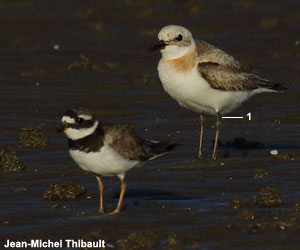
(144,79)
(295,214)
(268,197)
(261,173)
(173,243)
(237,202)
(63,191)
(267,219)
(83,64)
(9,161)
(33,136)
(286,156)
(140,240)
(92,236)
(247,215)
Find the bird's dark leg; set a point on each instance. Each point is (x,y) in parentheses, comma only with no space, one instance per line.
(202,121)
(218,124)
(101,210)
(123,188)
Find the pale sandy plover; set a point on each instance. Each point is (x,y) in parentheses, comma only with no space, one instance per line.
(107,150)
(203,78)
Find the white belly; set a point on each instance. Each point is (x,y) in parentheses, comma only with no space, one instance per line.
(193,92)
(105,162)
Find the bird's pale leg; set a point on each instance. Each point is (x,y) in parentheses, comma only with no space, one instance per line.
(123,188)
(214,156)
(101,210)
(202,121)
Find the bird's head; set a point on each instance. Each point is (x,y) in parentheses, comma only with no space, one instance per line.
(174,41)
(78,123)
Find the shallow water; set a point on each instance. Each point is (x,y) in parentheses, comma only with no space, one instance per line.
(173,194)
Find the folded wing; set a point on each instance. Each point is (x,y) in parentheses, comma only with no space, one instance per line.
(223,72)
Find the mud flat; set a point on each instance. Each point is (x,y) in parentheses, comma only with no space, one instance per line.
(56,55)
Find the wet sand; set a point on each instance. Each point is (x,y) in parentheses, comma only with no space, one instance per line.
(56,55)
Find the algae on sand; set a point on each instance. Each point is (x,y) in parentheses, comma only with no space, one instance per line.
(32,136)
(83,64)
(268,197)
(140,240)
(261,173)
(237,202)
(63,191)
(93,236)
(144,79)
(9,161)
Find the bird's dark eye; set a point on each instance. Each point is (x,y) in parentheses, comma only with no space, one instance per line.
(79,120)
(179,37)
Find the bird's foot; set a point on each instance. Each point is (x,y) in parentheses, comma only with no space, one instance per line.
(101,211)
(199,157)
(116,211)
(214,156)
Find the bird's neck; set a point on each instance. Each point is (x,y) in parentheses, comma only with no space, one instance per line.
(91,142)
(185,63)
(78,133)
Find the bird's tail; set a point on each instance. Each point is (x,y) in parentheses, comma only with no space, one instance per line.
(266,84)
(161,147)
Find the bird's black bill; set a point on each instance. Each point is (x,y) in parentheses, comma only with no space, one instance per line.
(160,45)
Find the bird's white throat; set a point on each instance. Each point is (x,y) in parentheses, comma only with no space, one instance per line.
(76,134)
(171,52)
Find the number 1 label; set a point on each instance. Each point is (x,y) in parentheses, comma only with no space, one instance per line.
(249,116)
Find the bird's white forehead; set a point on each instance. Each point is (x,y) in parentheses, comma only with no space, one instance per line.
(171,31)
(68,119)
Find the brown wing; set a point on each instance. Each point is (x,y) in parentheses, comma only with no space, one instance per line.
(225,78)
(209,53)
(126,143)
(231,79)
(223,72)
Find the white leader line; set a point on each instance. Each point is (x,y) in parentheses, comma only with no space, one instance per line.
(232,117)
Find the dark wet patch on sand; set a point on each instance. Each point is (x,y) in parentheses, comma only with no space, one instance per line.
(242,143)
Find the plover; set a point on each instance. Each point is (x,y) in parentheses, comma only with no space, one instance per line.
(107,150)
(203,78)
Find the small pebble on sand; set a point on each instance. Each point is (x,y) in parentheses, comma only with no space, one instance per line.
(274,152)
